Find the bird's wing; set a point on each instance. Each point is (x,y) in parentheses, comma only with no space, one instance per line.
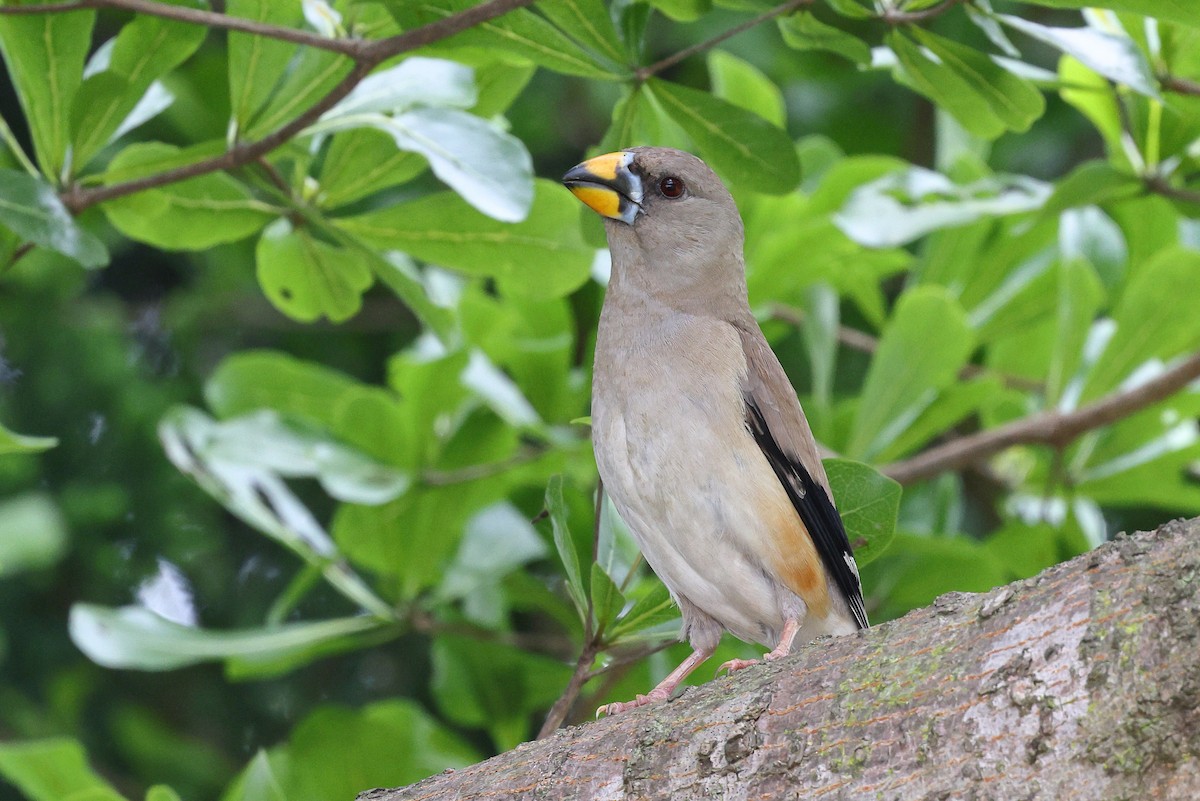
(774,418)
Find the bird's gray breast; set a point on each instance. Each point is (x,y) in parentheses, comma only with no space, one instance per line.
(681,468)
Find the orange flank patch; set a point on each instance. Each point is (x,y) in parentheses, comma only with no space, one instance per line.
(601,200)
(798,564)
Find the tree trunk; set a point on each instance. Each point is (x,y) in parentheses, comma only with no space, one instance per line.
(1080,683)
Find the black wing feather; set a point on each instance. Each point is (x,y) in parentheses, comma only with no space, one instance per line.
(816,510)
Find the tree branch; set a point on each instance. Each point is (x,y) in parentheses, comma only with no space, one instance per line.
(197,16)
(558,712)
(1049,428)
(367,55)
(1183,86)
(1080,683)
(862,341)
(643,73)
(1159,186)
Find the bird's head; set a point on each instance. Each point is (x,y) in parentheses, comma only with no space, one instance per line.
(665,211)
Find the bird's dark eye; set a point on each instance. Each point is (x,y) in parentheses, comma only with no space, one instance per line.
(670,186)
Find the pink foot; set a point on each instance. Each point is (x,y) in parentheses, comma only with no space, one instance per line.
(655,695)
(734,665)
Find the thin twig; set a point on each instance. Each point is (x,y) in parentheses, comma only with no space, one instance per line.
(558,712)
(274,177)
(1050,428)
(1159,186)
(633,656)
(197,16)
(1183,86)
(549,644)
(862,341)
(642,73)
(441,478)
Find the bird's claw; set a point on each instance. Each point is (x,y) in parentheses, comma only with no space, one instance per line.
(734,665)
(618,707)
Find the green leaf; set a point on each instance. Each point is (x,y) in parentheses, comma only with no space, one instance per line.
(916,570)
(952,405)
(1024,549)
(1080,296)
(520,32)
(366,417)
(639,119)
(1088,233)
(30,208)
(1015,101)
(12,442)
(1111,55)
(412,540)
(589,22)
(925,343)
(945,87)
(257,63)
(309,77)
(147,48)
(1155,319)
(853,9)
(499,83)
(1146,459)
(497,541)
(252,489)
(259,781)
(899,208)
(821,321)
(565,544)
(260,440)
(398,272)
(135,638)
(1091,183)
(1095,99)
(53,770)
(743,147)
(651,610)
(361,162)
(33,534)
(188,215)
(533,341)
(544,256)
(44,54)
(683,10)
(337,752)
(486,166)
(306,278)
(161,160)
(803,31)
(495,687)
(868,502)
(161,792)
(607,600)
(741,83)
(1181,11)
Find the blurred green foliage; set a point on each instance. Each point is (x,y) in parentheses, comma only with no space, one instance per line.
(295,498)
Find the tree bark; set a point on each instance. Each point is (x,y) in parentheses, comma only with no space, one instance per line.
(1080,683)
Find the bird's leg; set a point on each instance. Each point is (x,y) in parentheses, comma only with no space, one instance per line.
(665,687)
(790,627)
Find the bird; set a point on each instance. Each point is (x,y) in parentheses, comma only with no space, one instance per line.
(699,437)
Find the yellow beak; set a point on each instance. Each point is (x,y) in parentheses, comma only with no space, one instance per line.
(608,186)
